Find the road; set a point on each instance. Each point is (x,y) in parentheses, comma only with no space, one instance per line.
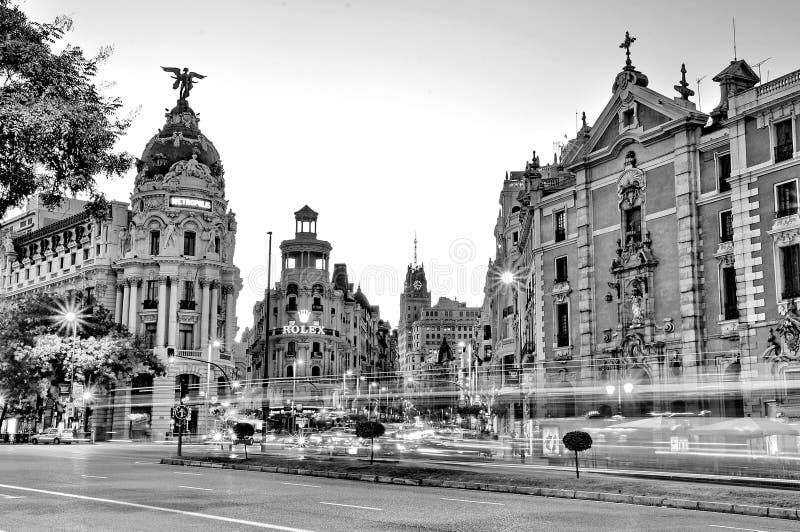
(123,487)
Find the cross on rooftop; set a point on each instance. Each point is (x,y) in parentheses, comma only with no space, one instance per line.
(627,45)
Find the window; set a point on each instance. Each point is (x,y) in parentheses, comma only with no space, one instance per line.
(561,269)
(730,308)
(786,199)
(784,148)
(150,335)
(189,239)
(152,290)
(790,256)
(186,336)
(290,371)
(85,254)
(216,244)
(560,224)
(633,225)
(726,226)
(562,325)
(73,259)
(723,172)
(515,237)
(627,118)
(188,290)
(61,263)
(315,371)
(90,296)
(290,349)
(222,386)
(315,347)
(155,237)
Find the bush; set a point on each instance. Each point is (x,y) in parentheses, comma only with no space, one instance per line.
(243,432)
(371,430)
(577,441)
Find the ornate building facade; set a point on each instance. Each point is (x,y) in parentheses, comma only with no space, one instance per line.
(658,251)
(164,266)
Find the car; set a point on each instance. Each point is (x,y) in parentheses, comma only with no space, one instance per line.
(53,435)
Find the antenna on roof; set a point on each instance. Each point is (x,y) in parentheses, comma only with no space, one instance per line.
(699,105)
(759,67)
(734,38)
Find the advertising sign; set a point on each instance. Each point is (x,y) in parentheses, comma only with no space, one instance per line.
(551,441)
(678,444)
(191,203)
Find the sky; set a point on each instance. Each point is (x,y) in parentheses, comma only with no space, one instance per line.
(391,118)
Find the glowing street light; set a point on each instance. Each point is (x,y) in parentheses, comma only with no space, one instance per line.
(628,387)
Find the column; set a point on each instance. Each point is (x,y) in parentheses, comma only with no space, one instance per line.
(119,302)
(204,283)
(173,311)
(230,322)
(126,298)
(133,306)
(162,310)
(214,303)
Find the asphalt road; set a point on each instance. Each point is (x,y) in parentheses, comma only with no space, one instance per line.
(122,487)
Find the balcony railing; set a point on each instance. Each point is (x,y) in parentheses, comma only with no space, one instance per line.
(291,354)
(186,304)
(191,353)
(316,354)
(291,308)
(784,152)
(149,304)
(316,308)
(561,234)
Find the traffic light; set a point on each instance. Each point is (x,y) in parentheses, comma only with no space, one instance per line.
(170,355)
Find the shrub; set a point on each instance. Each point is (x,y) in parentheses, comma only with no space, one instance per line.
(371,430)
(577,441)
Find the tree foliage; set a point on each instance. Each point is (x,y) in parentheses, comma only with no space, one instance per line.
(371,430)
(37,353)
(577,441)
(243,432)
(57,131)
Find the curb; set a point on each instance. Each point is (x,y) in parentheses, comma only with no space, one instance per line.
(641,500)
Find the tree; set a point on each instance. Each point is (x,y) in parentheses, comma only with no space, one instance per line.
(371,430)
(57,131)
(35,358)
(243,432)
(577,441)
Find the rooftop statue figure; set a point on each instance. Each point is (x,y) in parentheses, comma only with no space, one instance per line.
(184,81)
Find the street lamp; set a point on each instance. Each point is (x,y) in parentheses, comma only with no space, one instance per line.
(344,387)
(294,389)
(628,387)
(369,397)
(215,343)
(71,318)
(382,389)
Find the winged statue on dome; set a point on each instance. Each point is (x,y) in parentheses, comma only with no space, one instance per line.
(184,81)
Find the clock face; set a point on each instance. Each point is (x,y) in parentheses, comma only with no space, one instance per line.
(417,285)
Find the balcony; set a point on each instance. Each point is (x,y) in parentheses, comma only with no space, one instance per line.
(786,211)
(784,152)
(291,308)
(150,304)
(224,356)
(187,304)
(291,354)
(561,235)
(316,308)
(190,353)
(316,354)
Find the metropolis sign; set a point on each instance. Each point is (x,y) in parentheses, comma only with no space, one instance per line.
(192,203)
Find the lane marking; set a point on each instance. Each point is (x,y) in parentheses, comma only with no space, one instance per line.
(737,528)
(3,495)
(140,463)
(476,502)
(158,508)
(351,506)
(305,485)
(185,473)
(91,476)
(193,488)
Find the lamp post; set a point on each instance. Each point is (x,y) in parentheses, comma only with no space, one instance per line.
(214,343)
(294,389)
(344,387)
(71,317)
(628,387)
(382,389)
(369,397)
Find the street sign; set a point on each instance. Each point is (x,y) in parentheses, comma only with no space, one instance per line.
(181,412)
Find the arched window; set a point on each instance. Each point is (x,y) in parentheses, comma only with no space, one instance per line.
(315,347)
(290,371)
(315,371)
(290,349)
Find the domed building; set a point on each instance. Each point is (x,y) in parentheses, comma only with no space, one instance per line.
(176,281)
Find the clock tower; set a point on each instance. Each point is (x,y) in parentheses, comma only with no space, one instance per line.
(414,298)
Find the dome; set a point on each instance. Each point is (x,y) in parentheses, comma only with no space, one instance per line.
(361,299)
(179,140)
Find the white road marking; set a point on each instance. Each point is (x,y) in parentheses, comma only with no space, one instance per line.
(159,509)
(193,488)
(185,473)
(476,502)
(91,476)
(737,528)
(351,506)
(159,463)
(3,495)
(305,485)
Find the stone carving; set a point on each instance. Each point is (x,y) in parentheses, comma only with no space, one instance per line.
(789,330)
(154,202)
(630,186)
(124,240)
(169,234)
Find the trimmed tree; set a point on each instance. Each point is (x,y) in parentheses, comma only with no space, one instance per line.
(371,430)
(243,431)
(577,441)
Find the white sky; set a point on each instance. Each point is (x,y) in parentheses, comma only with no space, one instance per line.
(388,117)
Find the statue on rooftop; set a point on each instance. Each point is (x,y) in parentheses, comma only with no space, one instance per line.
(184,81)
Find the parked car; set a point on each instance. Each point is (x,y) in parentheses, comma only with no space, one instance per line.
(53,435)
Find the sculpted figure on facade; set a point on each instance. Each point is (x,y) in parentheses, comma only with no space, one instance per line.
(124,240)
(169,234)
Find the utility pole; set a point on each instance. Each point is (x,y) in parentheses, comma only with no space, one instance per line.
(264,387)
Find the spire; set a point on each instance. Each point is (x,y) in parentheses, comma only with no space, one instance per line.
(683,86)
(627,45)
(415,248)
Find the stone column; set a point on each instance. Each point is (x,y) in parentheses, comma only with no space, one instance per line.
(126,298)
(162,310)
(119,302)
(214,303)
(230,310)
(204,284)
(133,306)
(173,311)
